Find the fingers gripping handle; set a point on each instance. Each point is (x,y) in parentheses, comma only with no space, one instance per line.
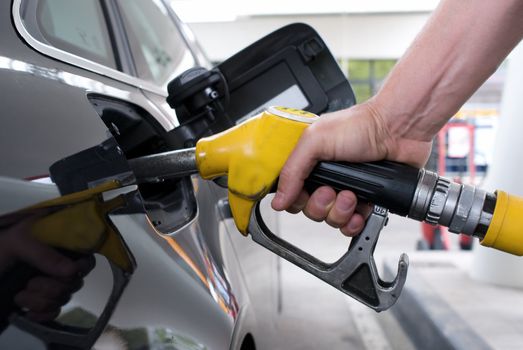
(355,273)
(388,184)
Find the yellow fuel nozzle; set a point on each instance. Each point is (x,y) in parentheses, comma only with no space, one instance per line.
(505,231)
(252,154)
(80,224)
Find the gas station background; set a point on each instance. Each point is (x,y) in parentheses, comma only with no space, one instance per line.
(367,38)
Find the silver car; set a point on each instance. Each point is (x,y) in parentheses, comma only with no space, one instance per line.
(78,75)
(83,89)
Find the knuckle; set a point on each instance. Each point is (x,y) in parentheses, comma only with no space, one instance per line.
(299,204)
(347,232)
(333,222)
(313,216)
(316,211)
(348,197)
(337,221)
(354,226)
(294,209)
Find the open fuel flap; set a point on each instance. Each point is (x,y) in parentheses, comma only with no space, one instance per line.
(290,67)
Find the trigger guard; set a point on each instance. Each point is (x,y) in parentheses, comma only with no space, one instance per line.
(76,337)
(355,273)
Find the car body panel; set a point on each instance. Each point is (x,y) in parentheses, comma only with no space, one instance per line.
(188,290)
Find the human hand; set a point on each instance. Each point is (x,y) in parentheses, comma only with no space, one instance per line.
(57,277)
(358,134)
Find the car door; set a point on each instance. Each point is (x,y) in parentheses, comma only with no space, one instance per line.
(157,41)
(75,70)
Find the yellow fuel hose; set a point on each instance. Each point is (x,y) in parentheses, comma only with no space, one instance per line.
(505,232)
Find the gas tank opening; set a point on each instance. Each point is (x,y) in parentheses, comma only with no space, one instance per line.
(169,204)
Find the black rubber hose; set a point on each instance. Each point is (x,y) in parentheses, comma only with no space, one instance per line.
(385,183)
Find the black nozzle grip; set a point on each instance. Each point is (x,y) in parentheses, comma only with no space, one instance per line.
(385,183)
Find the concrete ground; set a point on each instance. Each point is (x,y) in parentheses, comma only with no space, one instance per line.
(441,306)
(313,314)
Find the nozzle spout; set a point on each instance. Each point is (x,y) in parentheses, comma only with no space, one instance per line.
(166,165)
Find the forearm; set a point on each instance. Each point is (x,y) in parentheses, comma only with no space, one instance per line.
(459,48)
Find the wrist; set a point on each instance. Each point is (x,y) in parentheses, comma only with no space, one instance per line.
(394,138)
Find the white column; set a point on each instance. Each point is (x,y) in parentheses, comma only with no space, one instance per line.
(505,173)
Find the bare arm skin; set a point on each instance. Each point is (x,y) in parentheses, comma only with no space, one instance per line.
(461,45)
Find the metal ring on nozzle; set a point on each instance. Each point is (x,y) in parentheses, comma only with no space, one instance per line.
(423,195)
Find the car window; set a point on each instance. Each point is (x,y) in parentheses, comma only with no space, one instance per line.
(78,27)
(158,49)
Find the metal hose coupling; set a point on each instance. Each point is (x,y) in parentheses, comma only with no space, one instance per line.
(462,208)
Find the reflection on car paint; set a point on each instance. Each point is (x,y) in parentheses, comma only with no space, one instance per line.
(177,299)
(142,338)
(61,76)
(217,285)
(78,224)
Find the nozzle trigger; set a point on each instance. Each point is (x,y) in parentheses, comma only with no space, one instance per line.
(355,273)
